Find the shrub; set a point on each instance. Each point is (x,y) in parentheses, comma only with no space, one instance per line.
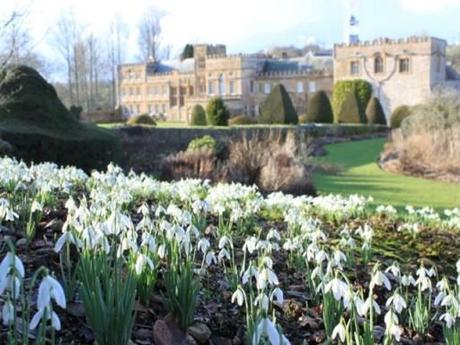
(76,111)
(242,120)
(428,141)
(349,110)
(198,116)
(361,89)
(319,108)
(278,108)
(375,113)
(217,112)
(303,118)
(40,128)
(399,114)
(205,143)
(143,119)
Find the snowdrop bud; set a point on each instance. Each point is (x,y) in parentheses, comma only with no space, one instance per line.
(238,296)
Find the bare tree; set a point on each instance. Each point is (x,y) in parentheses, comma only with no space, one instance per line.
(150,34)
(65,37)
(16,45)
(118,36)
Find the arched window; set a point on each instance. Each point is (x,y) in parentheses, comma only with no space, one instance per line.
(221,85)
(378,64)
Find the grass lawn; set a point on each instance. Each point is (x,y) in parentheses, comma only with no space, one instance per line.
(362,176)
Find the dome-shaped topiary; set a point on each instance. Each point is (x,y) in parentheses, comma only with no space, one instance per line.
(242,120)
(319,108)
(198,116)
(217,113)
(374,112)
(278,108)
(349,110)
(399,114)
(142,119)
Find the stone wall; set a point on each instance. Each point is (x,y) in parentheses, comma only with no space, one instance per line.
(143,147)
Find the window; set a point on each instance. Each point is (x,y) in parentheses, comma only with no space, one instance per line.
(299,87)
(261,87)
(354,67)
(210,88)
(232,87)
(378,64)
(311,86)
(267,88)
(404,65)
(157,109)
(221,85)
(150,108)
(164,90)
(163,107)
(138,109)
(251,86)
(138,91)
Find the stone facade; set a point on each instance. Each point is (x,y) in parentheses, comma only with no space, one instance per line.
(404,71)
(172,88)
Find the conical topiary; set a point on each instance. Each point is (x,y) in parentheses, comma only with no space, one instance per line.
(217,112)
(198,116)
(374,112)
(349,110)
(278,108)
(319,108)
(399,114)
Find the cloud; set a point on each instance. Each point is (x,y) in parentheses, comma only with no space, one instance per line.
(428,5)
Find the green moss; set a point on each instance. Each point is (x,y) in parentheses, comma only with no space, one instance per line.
(40,128)
(278,108)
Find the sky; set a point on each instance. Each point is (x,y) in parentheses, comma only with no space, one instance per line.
(249,25)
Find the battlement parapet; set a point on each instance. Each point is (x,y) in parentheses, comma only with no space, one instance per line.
(388,41)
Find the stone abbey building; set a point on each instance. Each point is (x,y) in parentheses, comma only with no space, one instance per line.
(404,71)
(172,88)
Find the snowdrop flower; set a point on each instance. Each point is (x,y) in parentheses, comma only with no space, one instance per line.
(266,277)
(6,213)
(394,270)
(407,280)
(223,254)
(203,245)
(141,261)
(36,206)
(49,289)
(8,313)
(224,240)
(262,302)
(339,332)
(338,258)
(250,272)
(379,278)
(363,307)
(338,287)
(210,258)
(448,318)
(11,261)
(238,296)
(250,244)
(277,294)
(397,301)
(66,237)
(268,328)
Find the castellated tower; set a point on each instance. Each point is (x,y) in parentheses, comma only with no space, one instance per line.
(402,72)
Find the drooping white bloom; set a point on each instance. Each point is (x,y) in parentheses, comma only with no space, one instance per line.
(8,313)
(448,318)
(267,328)
(397,301)
(277,294)
(338,287)
(50,289)
(379,278)
(142,261)
(238,296)
(339,332)
(407,280)
(210,258)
